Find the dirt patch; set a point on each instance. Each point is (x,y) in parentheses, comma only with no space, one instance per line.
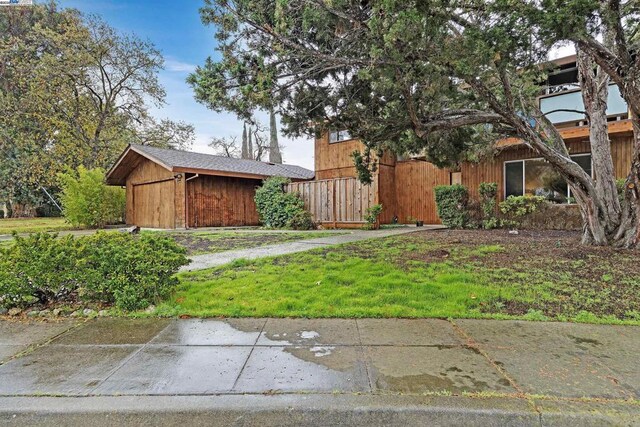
(553,274)
(557,275)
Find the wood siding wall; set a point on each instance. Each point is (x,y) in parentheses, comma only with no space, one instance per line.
(414,188)
(406,188)
(216,201)
(335,161)
(493,170)
(387,192)
(342,200)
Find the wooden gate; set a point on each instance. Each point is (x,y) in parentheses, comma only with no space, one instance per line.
(339,202)
(153,204)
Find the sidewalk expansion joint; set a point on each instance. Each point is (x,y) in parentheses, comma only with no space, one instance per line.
(365,356)
(125,361)
(474,345)
(33,347)
(471,343)
(253,347)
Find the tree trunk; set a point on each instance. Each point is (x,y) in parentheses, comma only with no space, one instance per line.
(606,220)
(601,220)
(629,232)
(274,149)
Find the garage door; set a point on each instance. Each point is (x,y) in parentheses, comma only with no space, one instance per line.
(153,204)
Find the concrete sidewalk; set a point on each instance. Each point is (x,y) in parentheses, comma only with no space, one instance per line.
(200,262)
(318,372)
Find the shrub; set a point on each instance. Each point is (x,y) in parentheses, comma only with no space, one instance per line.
(621,187)
(371,216)
(88,201)
(277,208)
(515,208)
(488,193)
(108,267)
(38,268)
(452,203)
(127,270)
(302,221)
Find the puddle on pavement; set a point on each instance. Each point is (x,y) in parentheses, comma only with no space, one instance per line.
(289,368)
(432,369)
(309,335)
(297,338)
(322,351)
(582,340)
(211,332)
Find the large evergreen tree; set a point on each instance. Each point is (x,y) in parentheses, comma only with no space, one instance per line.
(275,156)
(449,77)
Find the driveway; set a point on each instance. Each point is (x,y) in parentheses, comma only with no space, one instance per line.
(390,371)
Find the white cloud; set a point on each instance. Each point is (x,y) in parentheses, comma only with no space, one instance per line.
(178,66)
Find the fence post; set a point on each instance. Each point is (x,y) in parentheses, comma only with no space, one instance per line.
(335,225)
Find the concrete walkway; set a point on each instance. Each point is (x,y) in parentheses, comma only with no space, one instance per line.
(200,262)
(318,372)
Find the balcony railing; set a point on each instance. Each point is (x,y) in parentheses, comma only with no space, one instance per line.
(568,97)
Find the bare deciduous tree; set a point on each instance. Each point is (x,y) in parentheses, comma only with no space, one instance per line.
(227,147)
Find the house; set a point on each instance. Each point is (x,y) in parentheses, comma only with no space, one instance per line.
(177,189)
(405,185)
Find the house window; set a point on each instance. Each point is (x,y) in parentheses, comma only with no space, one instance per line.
(338,136)
(536,177)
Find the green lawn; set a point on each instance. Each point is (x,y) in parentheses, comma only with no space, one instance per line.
(32,225)
(432,274)
(213,241)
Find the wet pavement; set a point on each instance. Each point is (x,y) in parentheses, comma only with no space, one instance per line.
(200,262)
(161,356)
(528,368)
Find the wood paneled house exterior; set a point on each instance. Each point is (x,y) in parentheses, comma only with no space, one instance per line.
(180,189)
(405,185)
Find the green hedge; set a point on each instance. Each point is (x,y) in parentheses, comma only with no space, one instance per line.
(130,272)
(279,209)
(452,204)
(516,208)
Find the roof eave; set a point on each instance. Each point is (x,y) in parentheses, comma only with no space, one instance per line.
(114,181)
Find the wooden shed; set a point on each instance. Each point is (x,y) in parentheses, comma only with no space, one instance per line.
(180,189)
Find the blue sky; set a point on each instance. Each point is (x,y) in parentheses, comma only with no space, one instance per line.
(175,28)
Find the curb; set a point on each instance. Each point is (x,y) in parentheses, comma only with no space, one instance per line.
(309,410)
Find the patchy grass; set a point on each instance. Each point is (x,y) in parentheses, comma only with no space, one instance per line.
(545,276)
(207,242)
(32,225)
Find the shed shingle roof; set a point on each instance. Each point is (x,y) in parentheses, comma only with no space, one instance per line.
(185,160)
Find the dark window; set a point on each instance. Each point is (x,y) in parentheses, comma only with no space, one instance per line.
(338,136)
(513,173)
(584,162)
(536,177)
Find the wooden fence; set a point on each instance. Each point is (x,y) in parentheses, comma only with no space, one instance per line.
(336,201)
